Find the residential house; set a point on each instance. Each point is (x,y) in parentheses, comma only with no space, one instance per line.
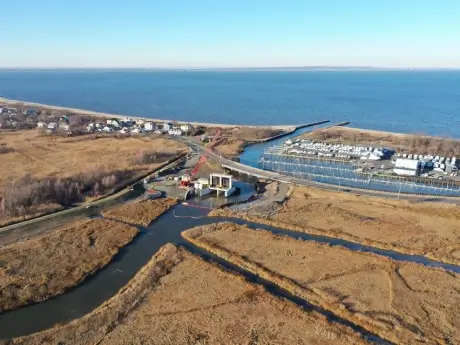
(99,125)
(116,124)
(127,122)
(157,132)
(149,126)
(186,128)
(175,132)
(42,125)
(52,126)
(64,126)
(140,122)
(2,110)
(167,126)
(107,129)
(90,128)
(124,130)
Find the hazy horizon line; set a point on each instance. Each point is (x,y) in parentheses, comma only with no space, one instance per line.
(252,68)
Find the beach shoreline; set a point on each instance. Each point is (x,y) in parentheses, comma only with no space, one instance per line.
(118,116)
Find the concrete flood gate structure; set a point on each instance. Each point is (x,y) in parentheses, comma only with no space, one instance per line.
(221,183)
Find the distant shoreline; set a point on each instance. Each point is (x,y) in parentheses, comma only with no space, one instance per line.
(118,116)
(237,69)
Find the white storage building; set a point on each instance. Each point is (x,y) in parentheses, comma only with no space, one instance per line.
(407,167)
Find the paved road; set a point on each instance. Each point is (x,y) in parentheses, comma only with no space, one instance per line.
(260,173)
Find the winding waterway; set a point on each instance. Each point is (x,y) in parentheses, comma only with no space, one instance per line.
(98,288)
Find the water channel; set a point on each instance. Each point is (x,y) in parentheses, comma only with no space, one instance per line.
(105,283)
(101,286)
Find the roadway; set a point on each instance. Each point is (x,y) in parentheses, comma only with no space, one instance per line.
(271,175)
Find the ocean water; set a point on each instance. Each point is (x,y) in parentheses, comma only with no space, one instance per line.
(402,101)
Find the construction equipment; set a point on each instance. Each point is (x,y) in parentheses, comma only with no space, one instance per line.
(202,160)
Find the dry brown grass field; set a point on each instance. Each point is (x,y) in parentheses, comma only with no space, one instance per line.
(35,269)
(178,298)
(402,302)
(41,156)
(429,229)
(409,143)
(142,212)
(41,173)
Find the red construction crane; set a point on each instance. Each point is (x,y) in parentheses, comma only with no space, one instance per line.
(203,158)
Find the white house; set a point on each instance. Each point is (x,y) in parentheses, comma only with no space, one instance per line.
(175,131)
(115,124)
(99,125)
(42,125)
(90,128)
(140,121)
(52,125)
(186,128)
(107,129)
(2,110)
(149,126)
(167,126)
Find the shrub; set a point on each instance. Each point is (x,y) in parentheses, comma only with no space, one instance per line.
(20,197)
(150,157)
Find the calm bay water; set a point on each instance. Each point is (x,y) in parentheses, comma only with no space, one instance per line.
(403,101)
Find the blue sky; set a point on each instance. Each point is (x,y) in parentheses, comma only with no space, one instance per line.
(233,33)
